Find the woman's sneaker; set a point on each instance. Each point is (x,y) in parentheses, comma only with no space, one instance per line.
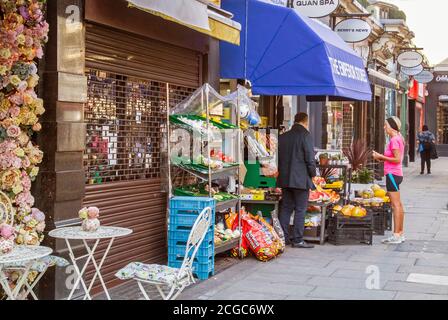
(393,240)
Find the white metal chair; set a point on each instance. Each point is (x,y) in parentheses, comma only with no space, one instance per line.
(174,279)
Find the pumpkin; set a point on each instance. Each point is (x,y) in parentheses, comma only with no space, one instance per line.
(358,212)
(380,193)
(347,210)
(337,208)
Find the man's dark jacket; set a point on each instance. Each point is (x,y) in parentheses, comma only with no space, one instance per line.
(297,164)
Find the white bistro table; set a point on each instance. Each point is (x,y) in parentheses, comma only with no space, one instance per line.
(76,234)
(27,255)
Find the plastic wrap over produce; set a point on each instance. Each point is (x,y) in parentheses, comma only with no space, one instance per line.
(197,102)
(246,106)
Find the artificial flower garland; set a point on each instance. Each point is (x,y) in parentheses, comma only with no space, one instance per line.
(23,33)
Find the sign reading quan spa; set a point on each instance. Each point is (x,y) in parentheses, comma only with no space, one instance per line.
(314,8)
(410,59)
(353,30)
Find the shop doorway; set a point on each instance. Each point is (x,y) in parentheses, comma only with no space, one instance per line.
(132,81)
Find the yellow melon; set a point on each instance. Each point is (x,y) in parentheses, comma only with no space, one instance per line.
(380,193)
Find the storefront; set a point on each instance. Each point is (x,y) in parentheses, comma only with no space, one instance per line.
(382,106)
(118,71)
(417,100)
(436,109)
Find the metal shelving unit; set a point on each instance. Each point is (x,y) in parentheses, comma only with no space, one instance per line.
(212,175)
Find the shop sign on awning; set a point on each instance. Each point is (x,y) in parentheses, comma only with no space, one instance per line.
(291,55)
(194,14)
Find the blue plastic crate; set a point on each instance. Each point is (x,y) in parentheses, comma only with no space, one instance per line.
(182,235)
(192,203)
(199,261)
(182,227)
(204,275)
(207,249)
(186,217)
(201,271)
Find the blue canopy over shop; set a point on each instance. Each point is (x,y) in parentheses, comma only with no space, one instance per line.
(285,53)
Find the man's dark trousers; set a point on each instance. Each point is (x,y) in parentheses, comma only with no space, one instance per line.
(294,200)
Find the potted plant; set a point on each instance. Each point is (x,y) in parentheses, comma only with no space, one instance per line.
(358,155)
(324,159)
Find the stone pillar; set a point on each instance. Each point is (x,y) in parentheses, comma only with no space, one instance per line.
(60,187)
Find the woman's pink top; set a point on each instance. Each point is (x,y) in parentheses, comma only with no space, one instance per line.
(395,143)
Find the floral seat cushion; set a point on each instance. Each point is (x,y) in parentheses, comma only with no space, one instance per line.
(41,265)
(150,272)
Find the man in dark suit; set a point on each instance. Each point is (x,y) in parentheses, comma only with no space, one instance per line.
(297,167)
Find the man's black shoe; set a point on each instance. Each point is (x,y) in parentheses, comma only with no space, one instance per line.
(302,245)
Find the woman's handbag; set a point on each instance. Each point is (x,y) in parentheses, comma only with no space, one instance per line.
(434,154)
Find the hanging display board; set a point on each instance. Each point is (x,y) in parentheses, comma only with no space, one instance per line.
(309,8)
(412,71)
(424,77)
(410,59)
(315,8)
(353,30)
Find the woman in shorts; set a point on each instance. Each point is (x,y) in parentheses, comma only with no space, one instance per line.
(393,169)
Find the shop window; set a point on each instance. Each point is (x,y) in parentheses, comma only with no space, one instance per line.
(125,119)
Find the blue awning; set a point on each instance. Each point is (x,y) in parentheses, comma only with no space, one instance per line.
(285,53)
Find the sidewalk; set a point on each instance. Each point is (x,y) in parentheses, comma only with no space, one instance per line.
(340,272)
(330,272)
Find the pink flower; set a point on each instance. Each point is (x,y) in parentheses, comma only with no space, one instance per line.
(26,182)
(14,111)
(93,212)
(13,131)
(27,218)
(40,227)
(38,215)
(6,231)
(26,163)
(24,200)
(22,86)
(40,53)
(17,163)
(16,99)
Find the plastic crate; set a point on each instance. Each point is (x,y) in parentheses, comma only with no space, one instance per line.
(341,222)
(192,203)
(176,245)
(206,250)
(199,261)
(200,271)
(350,237)
(182,235)
(181,219)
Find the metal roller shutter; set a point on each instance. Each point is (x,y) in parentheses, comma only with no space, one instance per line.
(129,79)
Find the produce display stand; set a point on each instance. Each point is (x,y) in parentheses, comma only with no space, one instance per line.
(347,172)
(209,99)
(324,208)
